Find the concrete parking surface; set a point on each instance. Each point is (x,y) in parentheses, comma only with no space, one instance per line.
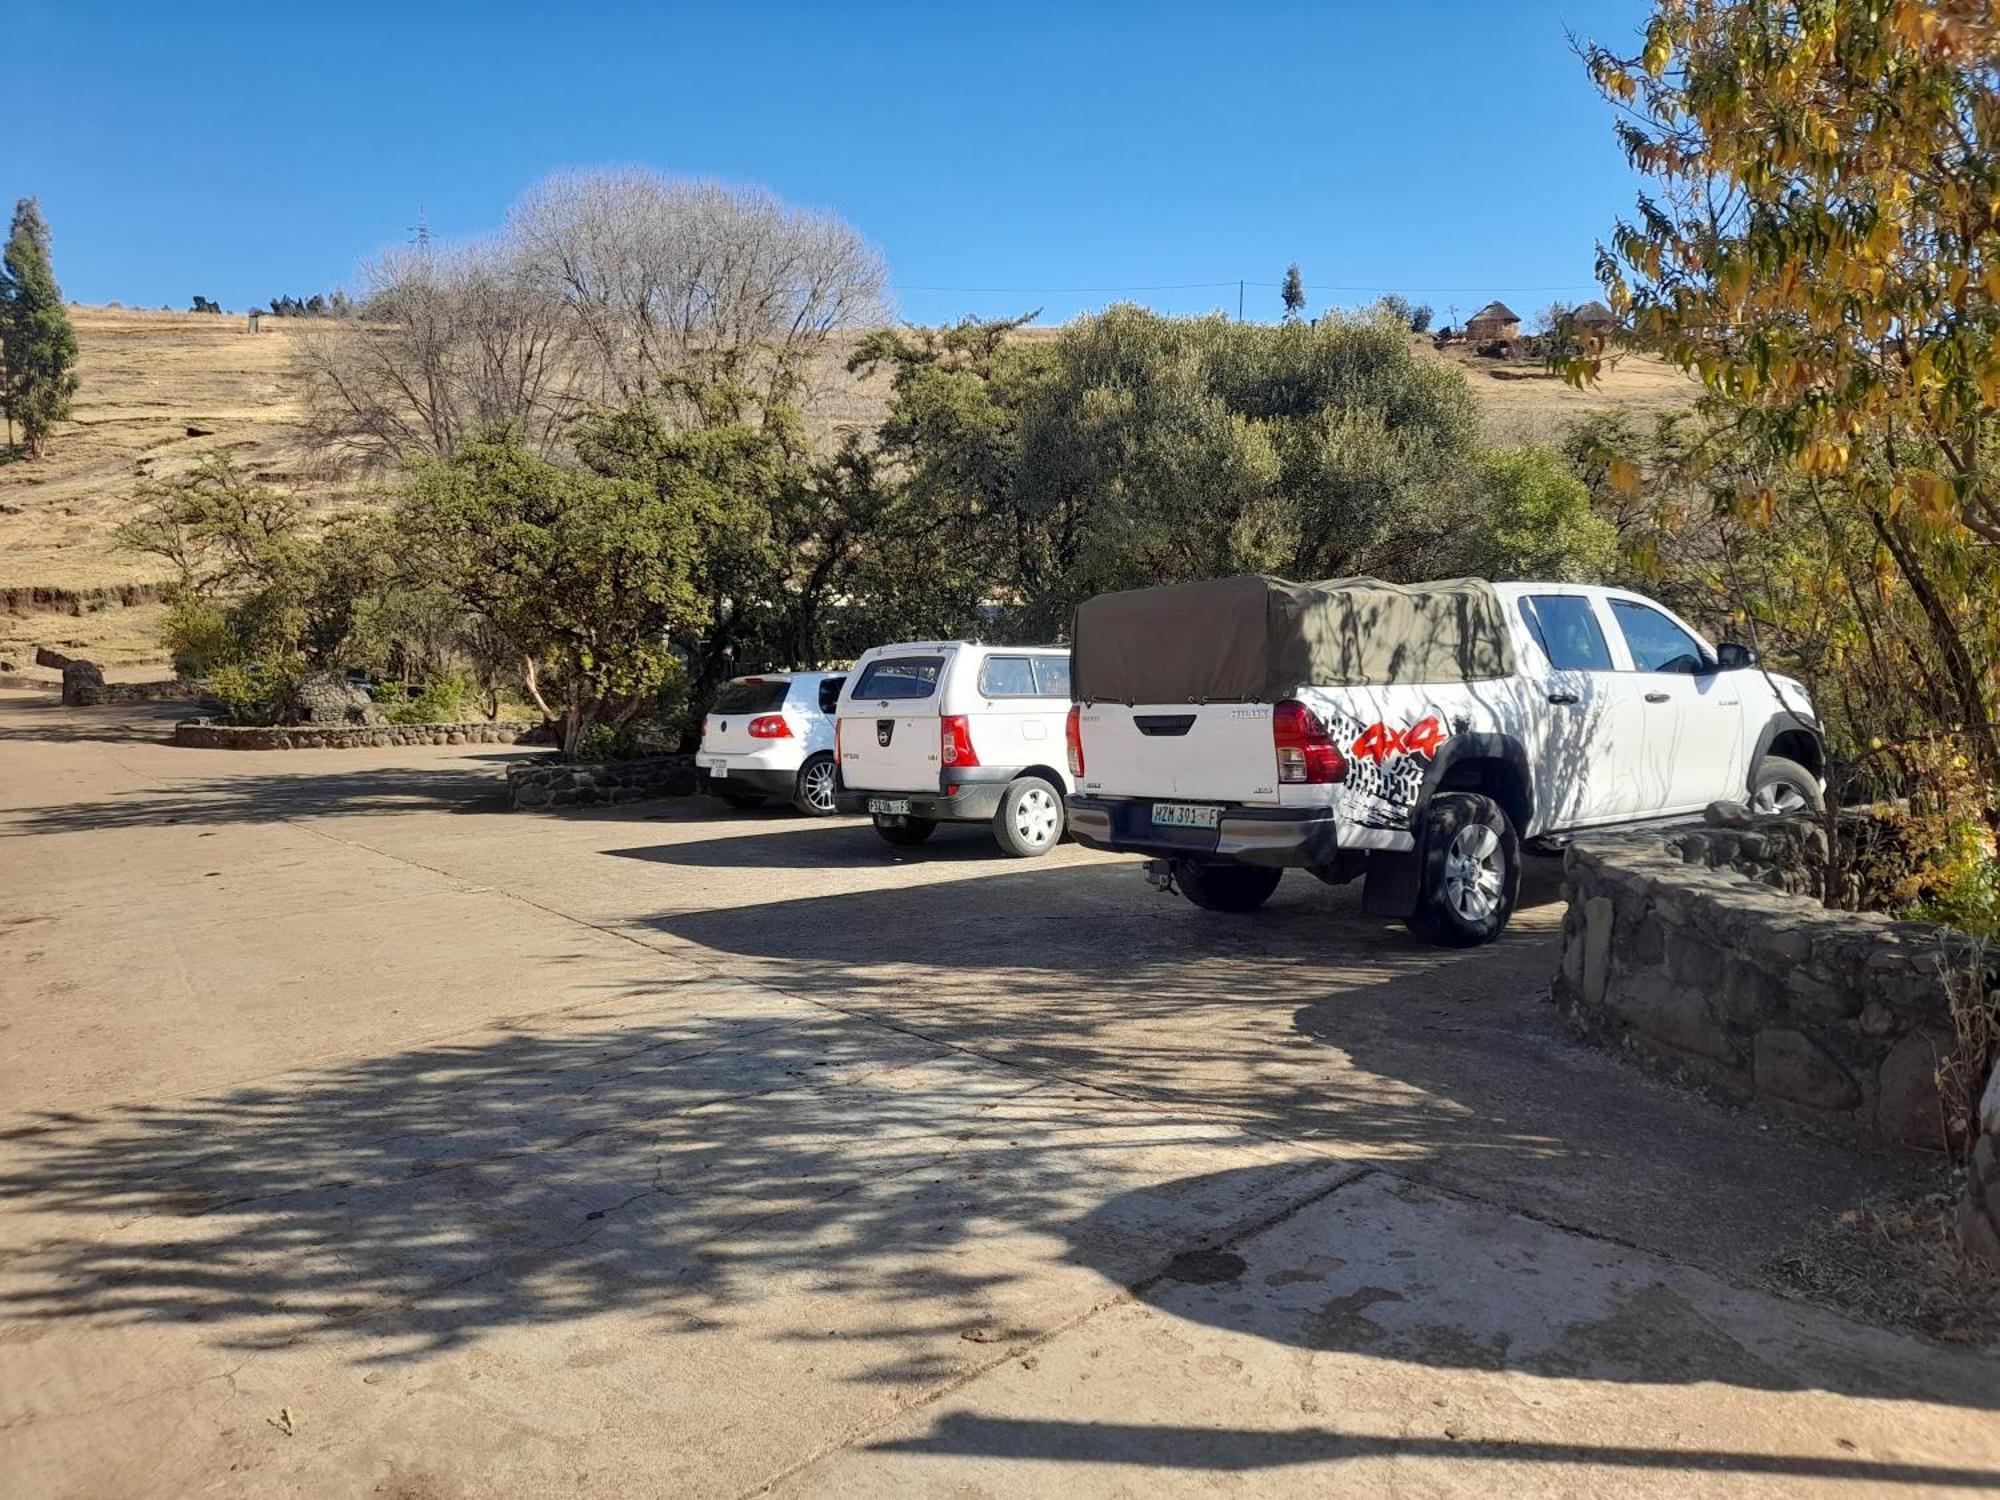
(362,1138)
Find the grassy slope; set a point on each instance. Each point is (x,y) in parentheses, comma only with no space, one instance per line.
(148,376)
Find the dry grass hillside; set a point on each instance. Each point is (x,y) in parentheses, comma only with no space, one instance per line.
(159,390)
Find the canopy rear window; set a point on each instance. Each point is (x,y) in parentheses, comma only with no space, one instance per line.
(1257,639)
(894,677)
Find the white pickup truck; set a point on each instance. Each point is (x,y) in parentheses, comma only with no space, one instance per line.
(1417,736)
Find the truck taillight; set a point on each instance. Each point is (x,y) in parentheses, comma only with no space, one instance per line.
(955,741)
(1073,732)
(1306,752)
(838,758)
(770,727)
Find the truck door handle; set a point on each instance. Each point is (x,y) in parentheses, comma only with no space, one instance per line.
(1567,700)
(1656,697)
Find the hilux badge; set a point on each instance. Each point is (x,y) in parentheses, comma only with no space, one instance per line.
(884,728)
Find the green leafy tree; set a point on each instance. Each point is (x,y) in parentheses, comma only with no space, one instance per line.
(589,577)
(37,343)
(1294,292)
(1819,241)
(1536,521)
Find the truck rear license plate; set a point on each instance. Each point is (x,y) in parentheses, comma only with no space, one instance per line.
(889,807)
(1185,815)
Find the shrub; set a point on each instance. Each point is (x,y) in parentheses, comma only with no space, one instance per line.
(197,636)
(437,702)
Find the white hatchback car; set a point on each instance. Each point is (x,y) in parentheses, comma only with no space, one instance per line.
(954,731)
(771,735)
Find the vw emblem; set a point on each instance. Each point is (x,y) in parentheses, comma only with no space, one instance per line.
(884,729)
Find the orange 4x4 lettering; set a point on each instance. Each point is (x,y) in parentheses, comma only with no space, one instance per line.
(1378,742)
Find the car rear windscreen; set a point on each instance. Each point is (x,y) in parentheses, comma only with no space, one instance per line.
(752,695)
(900,677)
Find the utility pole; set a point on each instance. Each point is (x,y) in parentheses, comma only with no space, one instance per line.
(1239,300)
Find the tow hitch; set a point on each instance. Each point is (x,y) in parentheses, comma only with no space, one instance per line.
(1160,875)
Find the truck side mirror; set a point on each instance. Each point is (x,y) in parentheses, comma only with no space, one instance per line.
(1731,656)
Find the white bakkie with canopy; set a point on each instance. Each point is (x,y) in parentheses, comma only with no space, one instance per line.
(932,732)
(1416,735)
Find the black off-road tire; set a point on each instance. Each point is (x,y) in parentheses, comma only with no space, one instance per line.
(1784,786)
(812,793)
(1470,876)
(905,833)
(1030,819)
(1214,885)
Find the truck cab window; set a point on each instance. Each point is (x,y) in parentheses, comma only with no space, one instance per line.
(1657,644)
(1565,627)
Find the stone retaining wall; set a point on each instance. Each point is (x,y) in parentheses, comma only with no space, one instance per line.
(1835,1017)
(557,783)
(83,686)
(205,734)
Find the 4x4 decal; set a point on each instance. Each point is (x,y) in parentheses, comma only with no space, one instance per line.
(1378,742)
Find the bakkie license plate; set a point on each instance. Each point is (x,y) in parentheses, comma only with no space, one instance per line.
(1185,815)
(889,807)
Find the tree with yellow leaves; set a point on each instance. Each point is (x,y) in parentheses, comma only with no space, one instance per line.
(1820,242)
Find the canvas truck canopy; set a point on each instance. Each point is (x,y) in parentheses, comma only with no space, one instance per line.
(1258,639)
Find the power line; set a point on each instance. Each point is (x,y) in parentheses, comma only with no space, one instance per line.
(1202,286)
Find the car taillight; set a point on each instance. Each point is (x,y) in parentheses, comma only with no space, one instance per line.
(1306,752)
(955,741)
(770,727)
(1073,732)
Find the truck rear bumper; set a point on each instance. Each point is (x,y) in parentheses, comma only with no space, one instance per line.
(962,797)
(1283,837)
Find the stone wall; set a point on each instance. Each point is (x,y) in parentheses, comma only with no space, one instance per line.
(1835,1017)
(83,686)
(558,783)
(206,734)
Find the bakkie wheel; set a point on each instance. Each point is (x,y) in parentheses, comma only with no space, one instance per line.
(1470,877)
(813,793)
(1214,886)
(1030,818)
(904,833)
(1784,786)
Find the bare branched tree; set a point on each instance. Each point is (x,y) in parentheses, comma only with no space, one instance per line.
(682,284)
(451,342)
(605,288)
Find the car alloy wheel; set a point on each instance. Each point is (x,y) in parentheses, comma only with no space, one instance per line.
(1474,872)
(817,784)
(1037,817)
(1775,797)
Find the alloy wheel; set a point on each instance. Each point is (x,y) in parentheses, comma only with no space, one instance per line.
(1474,872)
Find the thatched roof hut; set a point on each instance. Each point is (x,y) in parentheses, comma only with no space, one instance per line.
(1496,320)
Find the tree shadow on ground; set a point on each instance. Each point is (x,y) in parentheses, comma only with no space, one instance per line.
(258,796)
(50,722)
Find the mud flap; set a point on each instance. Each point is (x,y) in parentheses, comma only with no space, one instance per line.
(1392,884)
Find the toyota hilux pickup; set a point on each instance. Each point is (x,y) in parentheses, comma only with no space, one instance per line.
(1412,736)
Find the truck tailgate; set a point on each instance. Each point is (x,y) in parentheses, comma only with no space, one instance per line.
(1212,752)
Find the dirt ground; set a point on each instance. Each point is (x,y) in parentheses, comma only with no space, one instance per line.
(363,1138)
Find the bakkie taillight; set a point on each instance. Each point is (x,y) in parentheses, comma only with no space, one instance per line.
(1306,752)
(838,757)
(770,727)
(955,741)
(1073,732)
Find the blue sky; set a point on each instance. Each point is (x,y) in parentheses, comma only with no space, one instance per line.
(1003,157)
